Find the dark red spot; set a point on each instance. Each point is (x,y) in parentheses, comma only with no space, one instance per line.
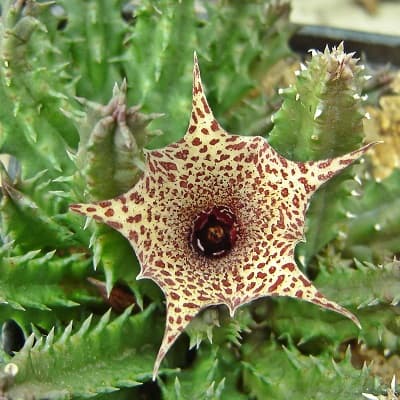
(171,338)
(190,305)
(199,112)
(305,281)
(192,128)
(214,125)
(275,285)
(259,288)
(281,222)
(325,177)
(225,283)
(283,161)
(303,168)
(285,249)
(152,167)
(216,286)
(168,166)
(175,296)
(237,146)
(214,141)
(289,266)
(261,275)
(205,105)
(104,204)
(132,235)
(90,209)
(299,294)
(157,154)
(115,225)
(346,161)
(196,142)
(169,281)
(109,212)
(284,192)
(182,155)
(324,164)
(134,218)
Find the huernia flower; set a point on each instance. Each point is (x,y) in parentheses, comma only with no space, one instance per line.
(215,219)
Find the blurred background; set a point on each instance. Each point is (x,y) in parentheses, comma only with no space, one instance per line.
(378,16)
(372,16)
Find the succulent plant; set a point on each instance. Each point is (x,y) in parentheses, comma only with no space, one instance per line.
(95,100)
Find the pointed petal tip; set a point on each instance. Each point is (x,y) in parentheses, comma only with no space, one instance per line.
(196,74)
(76,208)
(155,374)
(356,321)
(201,111)
(160,357)
(354,155)
(367,146)
(346,313)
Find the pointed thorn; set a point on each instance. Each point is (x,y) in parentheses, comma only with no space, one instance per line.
(317,113)
(358,180)
(386,352)
(393,384)
(355,193)
(378,227)
(11,369)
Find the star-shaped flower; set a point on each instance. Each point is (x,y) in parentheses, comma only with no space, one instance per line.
(215,219)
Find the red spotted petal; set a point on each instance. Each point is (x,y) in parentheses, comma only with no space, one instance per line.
(209,190)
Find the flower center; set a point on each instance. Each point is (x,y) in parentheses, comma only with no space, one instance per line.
(214,232)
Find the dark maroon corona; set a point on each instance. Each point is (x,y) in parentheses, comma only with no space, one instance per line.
(214,232)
